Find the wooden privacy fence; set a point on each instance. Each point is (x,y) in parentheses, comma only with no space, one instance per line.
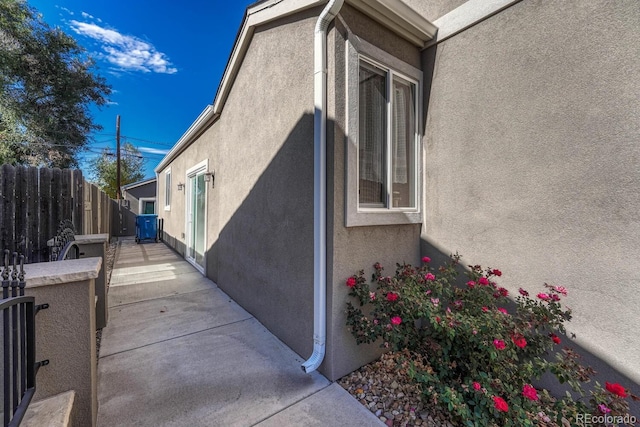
(34,201)
(98,210)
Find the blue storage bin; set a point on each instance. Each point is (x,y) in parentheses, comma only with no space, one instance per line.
(146,227)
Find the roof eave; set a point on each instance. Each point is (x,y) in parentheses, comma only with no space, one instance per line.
(393,14)
(206,118)
(400,18)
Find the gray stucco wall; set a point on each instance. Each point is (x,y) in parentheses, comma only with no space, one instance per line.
(260,213)
(355,248)
(532,159)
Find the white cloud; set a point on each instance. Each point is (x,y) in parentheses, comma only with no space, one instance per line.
(124,51)
(152,150)
(65,9)
(86,15)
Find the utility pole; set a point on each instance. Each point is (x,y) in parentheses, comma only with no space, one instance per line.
(118,193)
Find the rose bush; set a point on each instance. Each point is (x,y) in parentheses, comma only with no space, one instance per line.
(472,356)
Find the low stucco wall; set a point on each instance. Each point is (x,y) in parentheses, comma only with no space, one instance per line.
(66,332)
(531,159)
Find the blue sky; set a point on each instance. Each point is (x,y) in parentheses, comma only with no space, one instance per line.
(163,59)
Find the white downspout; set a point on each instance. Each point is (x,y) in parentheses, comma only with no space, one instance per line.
(320,186)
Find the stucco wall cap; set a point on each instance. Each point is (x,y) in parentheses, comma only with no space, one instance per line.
(87,239)
(54,273)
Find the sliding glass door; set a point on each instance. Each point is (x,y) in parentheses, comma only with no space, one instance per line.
(196,216)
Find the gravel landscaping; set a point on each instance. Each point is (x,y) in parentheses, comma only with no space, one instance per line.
(110,257)
(385,388)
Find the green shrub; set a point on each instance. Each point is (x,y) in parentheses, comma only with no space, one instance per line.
(472,356)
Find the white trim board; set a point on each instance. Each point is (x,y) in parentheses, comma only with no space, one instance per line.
(467,15)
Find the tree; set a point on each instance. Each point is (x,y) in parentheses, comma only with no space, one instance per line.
(104,169)
(47,84)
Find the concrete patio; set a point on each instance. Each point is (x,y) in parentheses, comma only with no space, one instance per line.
(178,351)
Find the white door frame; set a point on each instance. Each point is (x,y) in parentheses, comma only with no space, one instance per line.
(192,172)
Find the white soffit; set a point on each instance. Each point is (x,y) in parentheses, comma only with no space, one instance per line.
(398,17)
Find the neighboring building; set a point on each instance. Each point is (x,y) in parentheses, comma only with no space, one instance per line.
(140,197)
(504,130)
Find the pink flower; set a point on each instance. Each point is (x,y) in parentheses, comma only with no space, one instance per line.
(483,281)
(485,309)
(372,296)
(426,259)
(437,319)
(529,392)
(476,386)
(392,296)
(395,320)
(543,296)
(603,408)
(503,292)
(502,310)
(519,341)
(496,272)
(429,277)
(499,344)
(523,292)
(555,297)
(561,289)
(351,282)
(555,338)
(616,389)
(471,284)
(474,332)
(500,404)
(435,301)
(457,304)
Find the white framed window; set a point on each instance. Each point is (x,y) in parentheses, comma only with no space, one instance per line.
(167,189)
(383,111)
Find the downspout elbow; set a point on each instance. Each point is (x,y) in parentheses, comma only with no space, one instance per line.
(320,186)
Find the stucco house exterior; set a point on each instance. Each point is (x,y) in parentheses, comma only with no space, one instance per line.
(140,197)
(349,132)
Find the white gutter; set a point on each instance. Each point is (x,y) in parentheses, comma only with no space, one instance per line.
(320,186)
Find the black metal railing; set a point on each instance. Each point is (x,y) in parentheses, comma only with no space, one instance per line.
(19,341)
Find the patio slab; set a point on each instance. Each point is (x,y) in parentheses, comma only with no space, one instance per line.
(151,289)
(233,375)
(160,319)
(332,405)
(179,352)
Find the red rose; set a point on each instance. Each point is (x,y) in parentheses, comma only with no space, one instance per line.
(523,292)
(351,282)
(529,392)
(543,296)
(483,281)
(430,277)
(519,341)
(496,272)
(426,259)
(499,344)
(476,386)
(500,404)
(471,284)
(555,338)
(616,389)
(392,296)
(396,320)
